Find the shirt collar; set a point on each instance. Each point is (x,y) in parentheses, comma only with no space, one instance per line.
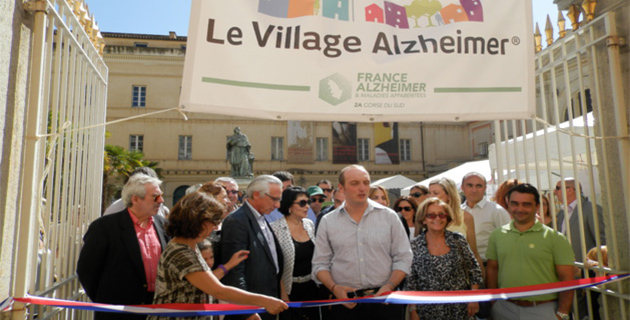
(136,222)
(257,215)
(370,207)
(572,206)
(480,204)
(536,227)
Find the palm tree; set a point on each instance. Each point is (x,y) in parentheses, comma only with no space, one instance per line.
(118,164)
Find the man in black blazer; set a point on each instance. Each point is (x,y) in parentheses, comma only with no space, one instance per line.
(247,229)
(588,218)
(120,254)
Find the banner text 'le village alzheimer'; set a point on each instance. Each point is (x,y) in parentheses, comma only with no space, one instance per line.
(334,45)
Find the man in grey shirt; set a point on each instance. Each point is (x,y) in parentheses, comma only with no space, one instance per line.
(488,215)
(361,249)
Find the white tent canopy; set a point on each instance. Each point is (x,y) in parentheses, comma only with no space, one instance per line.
(456,174)
(394,182)
(546,152)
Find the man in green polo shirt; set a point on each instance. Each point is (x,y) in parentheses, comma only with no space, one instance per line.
(526,252)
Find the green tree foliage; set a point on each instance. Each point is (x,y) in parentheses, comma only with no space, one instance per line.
(118,164)
(423,8)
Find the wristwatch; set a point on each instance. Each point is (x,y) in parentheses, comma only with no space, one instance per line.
(563,316)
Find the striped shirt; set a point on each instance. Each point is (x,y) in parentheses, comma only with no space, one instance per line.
(362,255)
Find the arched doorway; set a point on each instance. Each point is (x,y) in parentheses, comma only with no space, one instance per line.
(179,193)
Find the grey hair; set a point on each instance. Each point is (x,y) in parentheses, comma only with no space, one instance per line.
(136,187)
(261,184)
(226,179)
(193,188)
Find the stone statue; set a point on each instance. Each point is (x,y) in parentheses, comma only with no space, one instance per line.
(239,155)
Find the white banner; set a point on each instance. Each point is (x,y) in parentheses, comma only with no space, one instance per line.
(361,60)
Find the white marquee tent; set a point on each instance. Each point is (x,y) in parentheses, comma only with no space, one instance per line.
(547,153)
(456,174)
(394,182)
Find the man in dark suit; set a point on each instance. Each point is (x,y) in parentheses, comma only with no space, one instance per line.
(574,223)
(120,254)
(573,228)
(247,229)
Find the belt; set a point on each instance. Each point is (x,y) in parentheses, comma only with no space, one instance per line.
(366,292)
(302,279)
(525,303)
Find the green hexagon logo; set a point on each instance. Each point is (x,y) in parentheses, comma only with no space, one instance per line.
(335,89)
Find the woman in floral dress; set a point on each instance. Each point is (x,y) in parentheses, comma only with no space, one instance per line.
(442,261)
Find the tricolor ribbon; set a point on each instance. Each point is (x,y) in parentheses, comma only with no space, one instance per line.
(395,297)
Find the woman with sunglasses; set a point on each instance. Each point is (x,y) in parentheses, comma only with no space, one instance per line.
(418,193)
(407,208)
(296,235)
(442,261)
(445,189)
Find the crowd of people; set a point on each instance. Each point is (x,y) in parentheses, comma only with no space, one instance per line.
(283,243)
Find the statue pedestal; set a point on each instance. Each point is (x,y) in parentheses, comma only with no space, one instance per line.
(243,183)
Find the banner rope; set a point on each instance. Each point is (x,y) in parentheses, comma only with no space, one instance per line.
(394,297)
(68,123)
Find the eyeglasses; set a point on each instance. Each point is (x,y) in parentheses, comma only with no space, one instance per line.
(432,216)
(407,208)
(273,198)
(320,200)
(417,194)
(156,197)
(231,191)
(327,190)
(302,203)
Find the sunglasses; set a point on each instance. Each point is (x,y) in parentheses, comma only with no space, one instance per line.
(302,203)
(232,191)
(407,208)
(559,187)
(417,194)
(432,216)
(327,190)
(320,200)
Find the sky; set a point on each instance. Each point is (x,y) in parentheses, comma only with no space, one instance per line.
(161,16)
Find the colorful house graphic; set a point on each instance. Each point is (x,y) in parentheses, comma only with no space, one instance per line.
(300,8)
(374,13)
(287,8)
(473,9)
(389,13)
(396,15)
(274,8)
(336,9)
(453,13)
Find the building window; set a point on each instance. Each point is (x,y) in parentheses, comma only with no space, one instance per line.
(185,148)
(277,144)
(136,142)
(139,97)
(322,149)
(141,44)
(364,149)
(405,150)
(483,149)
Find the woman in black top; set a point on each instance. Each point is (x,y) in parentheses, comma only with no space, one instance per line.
(296,235)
